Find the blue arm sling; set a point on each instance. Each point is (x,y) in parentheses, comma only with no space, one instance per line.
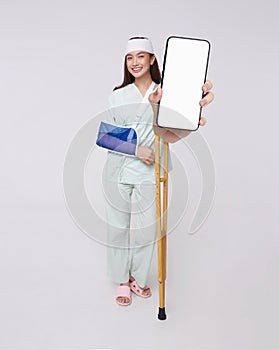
(120,139)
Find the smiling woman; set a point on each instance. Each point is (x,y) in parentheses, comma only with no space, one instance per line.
(133,57)
(128,178)
(130,182)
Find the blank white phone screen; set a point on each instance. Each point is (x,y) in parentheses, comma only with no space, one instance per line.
(184,73)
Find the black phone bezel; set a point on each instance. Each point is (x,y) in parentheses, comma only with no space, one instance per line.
(163,71)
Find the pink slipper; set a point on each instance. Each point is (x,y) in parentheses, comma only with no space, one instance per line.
(123,291)
(138,290)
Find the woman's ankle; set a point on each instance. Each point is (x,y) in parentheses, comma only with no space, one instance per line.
(124,284)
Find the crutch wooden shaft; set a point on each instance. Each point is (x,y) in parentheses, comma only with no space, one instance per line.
(161,223)
(165,208)
(158,206)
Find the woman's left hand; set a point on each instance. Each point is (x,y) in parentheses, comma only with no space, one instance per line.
(207,98)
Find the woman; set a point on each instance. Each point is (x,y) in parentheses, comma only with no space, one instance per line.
(129,179)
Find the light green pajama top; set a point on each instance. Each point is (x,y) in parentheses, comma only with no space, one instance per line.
(124,105)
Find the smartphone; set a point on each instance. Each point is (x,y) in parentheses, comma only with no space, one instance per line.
(184,72)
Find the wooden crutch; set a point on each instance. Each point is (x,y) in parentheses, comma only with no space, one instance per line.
(161,222)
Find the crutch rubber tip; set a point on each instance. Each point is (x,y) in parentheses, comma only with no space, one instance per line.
(162,313)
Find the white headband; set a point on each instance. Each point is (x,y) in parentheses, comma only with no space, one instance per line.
(139,44)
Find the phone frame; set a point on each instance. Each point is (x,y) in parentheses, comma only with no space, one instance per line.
(163,72)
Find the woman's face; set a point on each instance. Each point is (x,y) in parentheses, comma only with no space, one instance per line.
(138,63)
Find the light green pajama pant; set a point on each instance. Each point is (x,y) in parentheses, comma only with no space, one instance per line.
(131,230)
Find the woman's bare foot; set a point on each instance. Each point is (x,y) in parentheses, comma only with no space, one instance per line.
(146,290)
(123,299)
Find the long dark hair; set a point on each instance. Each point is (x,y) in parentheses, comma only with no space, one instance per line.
(129,78)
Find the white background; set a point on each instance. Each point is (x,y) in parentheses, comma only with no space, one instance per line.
(59,61)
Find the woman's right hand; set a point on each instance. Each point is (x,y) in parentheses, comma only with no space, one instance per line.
(146,154)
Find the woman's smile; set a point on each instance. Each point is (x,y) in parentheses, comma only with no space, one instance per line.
(137,69)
